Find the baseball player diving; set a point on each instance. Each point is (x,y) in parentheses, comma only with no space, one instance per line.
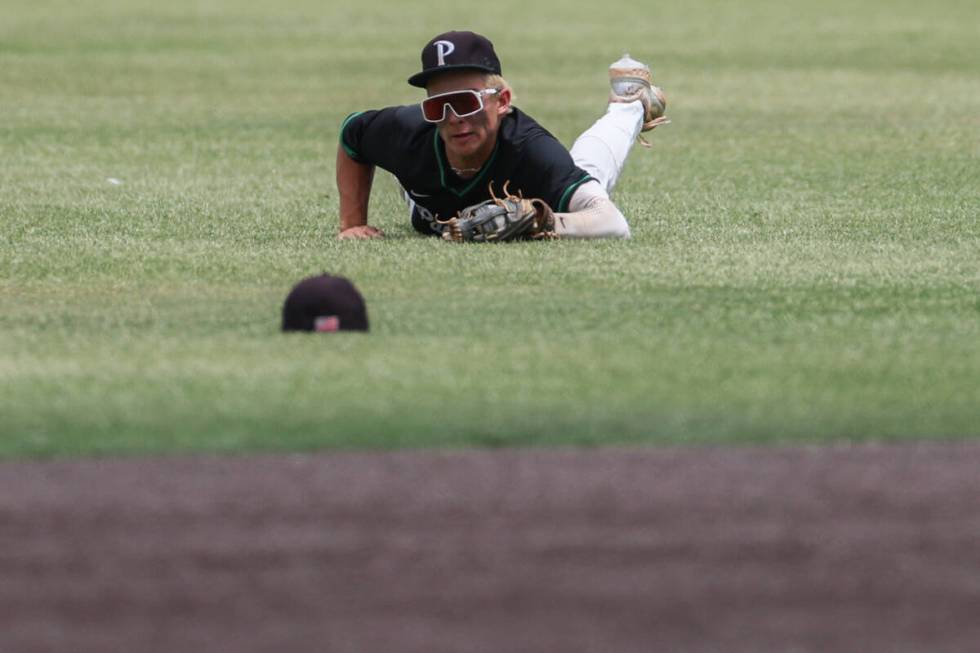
(474,167)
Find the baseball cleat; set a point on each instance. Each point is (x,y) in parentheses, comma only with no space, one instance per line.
(629,81)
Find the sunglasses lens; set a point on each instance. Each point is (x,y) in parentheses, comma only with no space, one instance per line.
(463,103)
(432,109)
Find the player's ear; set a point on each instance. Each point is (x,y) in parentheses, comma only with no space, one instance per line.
(503,102)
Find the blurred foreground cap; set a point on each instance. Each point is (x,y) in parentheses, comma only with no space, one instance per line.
(324,303)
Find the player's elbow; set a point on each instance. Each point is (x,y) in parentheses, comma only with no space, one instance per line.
(618,228)
(613,228)
(600,219)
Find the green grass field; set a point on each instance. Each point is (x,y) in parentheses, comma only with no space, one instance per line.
(805,263)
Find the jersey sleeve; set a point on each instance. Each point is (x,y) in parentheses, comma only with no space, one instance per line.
(552,173)
(366,136)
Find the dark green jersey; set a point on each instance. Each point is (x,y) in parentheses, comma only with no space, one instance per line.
(399,140)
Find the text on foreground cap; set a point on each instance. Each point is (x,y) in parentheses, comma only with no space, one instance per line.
(456,51)
(324,304)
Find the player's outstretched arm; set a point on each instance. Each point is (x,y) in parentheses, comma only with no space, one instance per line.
(354,187)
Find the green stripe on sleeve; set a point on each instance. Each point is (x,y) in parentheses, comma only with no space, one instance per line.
(566,197)
(347,148)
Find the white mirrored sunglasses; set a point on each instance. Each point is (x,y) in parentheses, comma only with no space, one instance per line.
(462,103)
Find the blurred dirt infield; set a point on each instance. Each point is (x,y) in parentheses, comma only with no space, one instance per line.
(870,548)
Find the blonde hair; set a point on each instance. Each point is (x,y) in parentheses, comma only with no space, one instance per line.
(497,81)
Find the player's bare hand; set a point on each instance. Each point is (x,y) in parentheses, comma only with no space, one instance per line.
(360,232)
(657,122)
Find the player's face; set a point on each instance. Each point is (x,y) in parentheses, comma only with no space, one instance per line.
(471,138)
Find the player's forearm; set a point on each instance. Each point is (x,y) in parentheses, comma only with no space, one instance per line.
(354,187)
(592,215)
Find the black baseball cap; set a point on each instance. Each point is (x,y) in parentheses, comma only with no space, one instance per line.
(324,303)
(456,51)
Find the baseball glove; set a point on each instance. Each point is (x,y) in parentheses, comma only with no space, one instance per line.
(499,219)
